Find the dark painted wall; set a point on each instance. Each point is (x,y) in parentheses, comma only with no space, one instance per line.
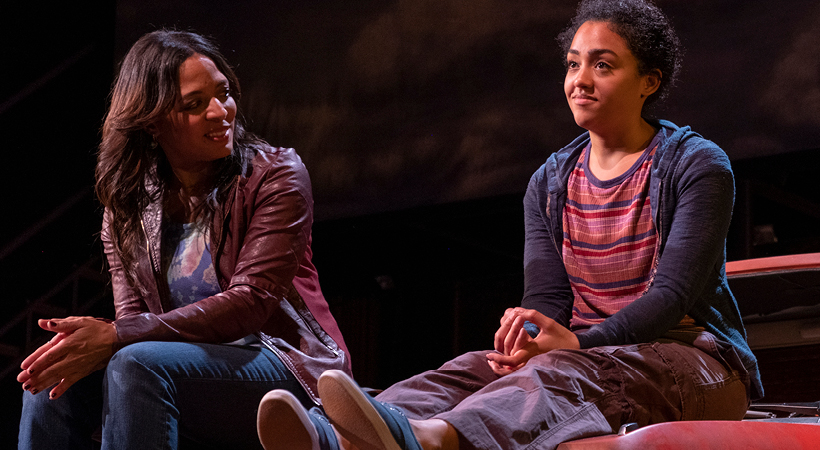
(420,122)
(403,103)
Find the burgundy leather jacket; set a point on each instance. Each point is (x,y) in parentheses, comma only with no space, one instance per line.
(260,245)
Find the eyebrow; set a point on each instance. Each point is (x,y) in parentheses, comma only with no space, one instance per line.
(225,83)
(593,52)
(190,94)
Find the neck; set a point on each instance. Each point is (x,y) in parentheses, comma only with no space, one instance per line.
(187,192)
(626,140)
(192,181)
(612,154)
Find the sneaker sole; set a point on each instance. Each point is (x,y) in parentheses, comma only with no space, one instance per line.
(352,414)
(283,424)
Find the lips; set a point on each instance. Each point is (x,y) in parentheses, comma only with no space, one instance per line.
(581,99)
(219,134)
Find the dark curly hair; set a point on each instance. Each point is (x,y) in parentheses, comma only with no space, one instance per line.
(647,33)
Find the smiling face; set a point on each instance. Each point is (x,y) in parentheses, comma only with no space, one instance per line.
(603,86)
(200,127)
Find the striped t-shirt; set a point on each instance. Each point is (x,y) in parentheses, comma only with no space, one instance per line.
(610,241)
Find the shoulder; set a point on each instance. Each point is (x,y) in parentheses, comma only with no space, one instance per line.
(269,158)
(538,177)
(276,161)
(559,163)
(276,170)
(686,151)
(569,154)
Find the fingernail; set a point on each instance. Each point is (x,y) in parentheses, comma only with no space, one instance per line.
(26,386)
(51,395)
(51,323)
(34,391)
(30,371)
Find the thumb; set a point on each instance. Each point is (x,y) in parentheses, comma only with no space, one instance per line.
(505,360)
(541,321)
(67,325)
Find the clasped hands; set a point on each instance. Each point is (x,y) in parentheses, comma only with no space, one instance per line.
(82,345)
(515,346)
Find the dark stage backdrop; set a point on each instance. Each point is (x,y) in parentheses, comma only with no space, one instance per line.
(395,104)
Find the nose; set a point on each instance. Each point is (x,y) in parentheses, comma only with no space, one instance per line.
(216,110)
(582,78)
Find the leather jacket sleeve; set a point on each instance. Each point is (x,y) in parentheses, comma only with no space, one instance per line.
(127,300)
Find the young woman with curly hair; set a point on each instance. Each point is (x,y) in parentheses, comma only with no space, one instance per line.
(626,315)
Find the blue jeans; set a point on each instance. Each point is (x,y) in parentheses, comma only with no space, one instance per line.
(152,394)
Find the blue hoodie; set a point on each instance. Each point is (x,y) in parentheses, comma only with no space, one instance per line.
(691,193)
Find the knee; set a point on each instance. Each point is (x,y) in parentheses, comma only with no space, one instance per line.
(559,357)
(467,361)
(33,404)
(139,353)
(75,402)
(586,373)
(137,361)
(565,362)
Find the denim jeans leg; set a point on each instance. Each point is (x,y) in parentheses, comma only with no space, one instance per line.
(64,423)
(157,392)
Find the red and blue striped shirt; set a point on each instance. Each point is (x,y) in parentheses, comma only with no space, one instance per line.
(610,241)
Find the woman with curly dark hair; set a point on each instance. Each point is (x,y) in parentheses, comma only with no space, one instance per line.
(207,230)
(626,315)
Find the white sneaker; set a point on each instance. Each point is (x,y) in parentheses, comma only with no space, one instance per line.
(283,424)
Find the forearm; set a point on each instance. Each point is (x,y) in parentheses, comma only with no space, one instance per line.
(546,284)
(228,316)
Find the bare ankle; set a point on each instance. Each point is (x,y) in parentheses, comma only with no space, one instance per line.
(435,434)
(343,443)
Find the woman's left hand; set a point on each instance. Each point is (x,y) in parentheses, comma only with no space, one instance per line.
(516,347)
(81,346)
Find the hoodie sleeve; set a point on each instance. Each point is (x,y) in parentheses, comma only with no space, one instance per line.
(546,284)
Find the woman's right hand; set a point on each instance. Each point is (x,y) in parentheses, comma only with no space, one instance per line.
(515,346)
(82,345)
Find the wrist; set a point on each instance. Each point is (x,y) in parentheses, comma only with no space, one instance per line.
(575,344)
(113,336)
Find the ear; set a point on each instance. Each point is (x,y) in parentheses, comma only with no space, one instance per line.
(151,129)
(651,82)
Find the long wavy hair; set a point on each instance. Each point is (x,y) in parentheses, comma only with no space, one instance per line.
(132,171)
